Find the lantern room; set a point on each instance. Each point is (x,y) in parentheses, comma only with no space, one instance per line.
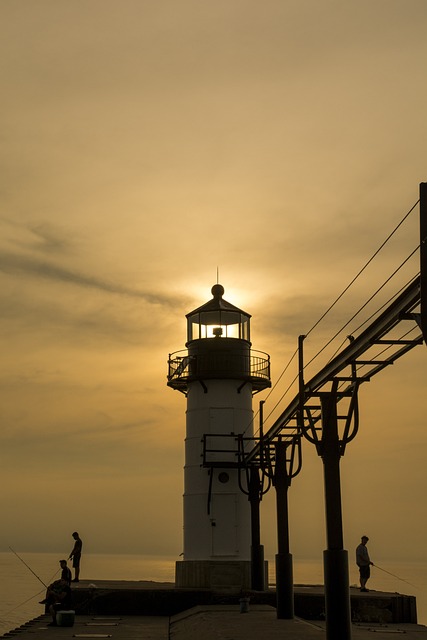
(218,319)
(218,347)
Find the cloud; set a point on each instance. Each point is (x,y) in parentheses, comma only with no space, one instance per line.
(144,145)
(19,265)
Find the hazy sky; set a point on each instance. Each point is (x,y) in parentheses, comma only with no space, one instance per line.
(143,145)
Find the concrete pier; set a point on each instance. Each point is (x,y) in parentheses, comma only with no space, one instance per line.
(164,599)
(209,623)
(131,610)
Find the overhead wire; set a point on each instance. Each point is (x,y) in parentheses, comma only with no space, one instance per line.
(282,396)
(343,383)
(391,234)
(389,347)
(363,306)
(352,318)
(362,269)
(271,391)
(282,374)
(375,313)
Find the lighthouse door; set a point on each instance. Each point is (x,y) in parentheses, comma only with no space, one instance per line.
(225,529)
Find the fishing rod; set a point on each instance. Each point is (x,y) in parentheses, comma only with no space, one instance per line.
(34,574)
(394,576)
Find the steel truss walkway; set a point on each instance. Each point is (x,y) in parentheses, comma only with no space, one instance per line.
(313,414)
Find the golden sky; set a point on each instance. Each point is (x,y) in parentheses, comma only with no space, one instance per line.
(146,144)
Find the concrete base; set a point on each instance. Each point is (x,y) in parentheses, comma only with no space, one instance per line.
(146,598)
(218,575)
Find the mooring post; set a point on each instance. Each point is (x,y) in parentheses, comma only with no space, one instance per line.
(335,558)
(284,573)
(257,549)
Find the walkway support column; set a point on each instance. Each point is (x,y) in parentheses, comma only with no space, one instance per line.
(335,558)
(284,572)
(257,549)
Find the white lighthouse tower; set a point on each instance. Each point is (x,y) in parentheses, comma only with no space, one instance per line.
(218,373)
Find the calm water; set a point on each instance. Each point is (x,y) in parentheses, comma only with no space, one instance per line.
(20,590)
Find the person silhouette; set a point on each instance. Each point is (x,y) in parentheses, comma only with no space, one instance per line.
(75,555)
(53,588)
(364,563)
(61,600)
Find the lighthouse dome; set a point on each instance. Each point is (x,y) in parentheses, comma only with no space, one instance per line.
(217,291)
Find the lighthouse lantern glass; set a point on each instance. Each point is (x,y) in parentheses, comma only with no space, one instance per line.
(218,324)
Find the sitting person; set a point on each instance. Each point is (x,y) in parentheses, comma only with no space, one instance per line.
(59,599)
(52,588)
(66,571)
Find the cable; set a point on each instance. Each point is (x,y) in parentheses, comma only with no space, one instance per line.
(363,306)
(372,316)
(347,323)
(271,391)
(362,270)
(282,374)
(381,353)
(386,303)
(332,306)
(358,328)
(283,395)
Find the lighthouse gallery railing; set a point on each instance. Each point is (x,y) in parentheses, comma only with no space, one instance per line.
(184,367)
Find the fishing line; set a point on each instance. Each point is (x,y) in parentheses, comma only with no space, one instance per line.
(25,602)
(7,613)
(394,576)
(34,574)
(21,604)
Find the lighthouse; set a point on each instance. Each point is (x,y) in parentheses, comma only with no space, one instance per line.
(219,373)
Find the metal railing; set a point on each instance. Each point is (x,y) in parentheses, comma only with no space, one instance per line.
(184,367)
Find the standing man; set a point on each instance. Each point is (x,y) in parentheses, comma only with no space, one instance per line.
(363,561)
(76,555)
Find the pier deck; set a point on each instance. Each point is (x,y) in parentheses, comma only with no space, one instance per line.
(131,610)
(110,597)
(209,623)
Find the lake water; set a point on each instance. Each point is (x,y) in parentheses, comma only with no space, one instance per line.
(21,590)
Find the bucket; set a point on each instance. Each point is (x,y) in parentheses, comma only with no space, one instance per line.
(244,605)
(65,618)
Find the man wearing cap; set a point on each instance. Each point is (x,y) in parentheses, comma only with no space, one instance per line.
(363,561)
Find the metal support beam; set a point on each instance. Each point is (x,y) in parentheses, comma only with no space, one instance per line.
(409,306)
(257,549)
(335,558)
(423,257)
(284,573)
